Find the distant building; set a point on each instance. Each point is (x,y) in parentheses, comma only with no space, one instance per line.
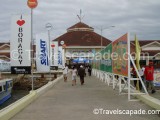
(5,51)
(150,51)
(81,41)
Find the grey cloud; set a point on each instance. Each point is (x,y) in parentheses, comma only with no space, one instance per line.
(135,16)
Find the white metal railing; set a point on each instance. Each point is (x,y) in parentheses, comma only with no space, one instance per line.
(121,83)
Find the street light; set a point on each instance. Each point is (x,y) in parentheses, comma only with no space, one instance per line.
(49,27)
(101,29)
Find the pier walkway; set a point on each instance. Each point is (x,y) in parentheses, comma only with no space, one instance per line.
(67,102)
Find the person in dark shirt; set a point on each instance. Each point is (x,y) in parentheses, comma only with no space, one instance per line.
(89,70)
(81,73)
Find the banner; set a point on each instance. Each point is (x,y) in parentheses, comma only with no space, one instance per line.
(119,56)
(106,62)
(54,55)
(42,50)
(20,44)
(138,52)
(60,57)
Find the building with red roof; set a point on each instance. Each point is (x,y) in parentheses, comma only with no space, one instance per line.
(150,51)
(81,34)
(81,38)
(81,41)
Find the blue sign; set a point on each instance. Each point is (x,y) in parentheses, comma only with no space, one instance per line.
(59,57)
(44,53)
(80,60)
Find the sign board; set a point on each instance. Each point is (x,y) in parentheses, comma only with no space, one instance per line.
(106,62)
(54,54)
(20,44)
(5,66)
(120,56)
(32,3)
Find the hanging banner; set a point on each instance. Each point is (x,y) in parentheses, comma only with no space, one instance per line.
(106,62)
(120,56)
(60,57)
(54,55)
(20,44)
(42,50)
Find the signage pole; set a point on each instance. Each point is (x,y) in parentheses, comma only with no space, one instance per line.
(32,4)
(49,54)
(49,27)
(32,53)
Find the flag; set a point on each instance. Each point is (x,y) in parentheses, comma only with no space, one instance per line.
(42,53)
(20,44)
(138,52)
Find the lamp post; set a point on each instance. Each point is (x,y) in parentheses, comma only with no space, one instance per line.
(32,4)
(101,29)
(49,28)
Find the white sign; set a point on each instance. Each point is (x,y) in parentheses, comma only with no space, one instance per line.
(62,42)
(42,50)
(48,26)
(5,66)
(54,53)
(20,44)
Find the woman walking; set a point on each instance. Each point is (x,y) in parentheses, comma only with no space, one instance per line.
(74,73)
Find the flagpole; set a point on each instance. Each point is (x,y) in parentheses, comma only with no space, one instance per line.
(49,28)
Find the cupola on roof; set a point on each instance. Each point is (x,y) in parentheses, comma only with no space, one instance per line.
(80,27)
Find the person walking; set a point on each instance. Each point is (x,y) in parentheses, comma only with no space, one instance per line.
(65,71)
(89,70)
(81,73)
(141,73)
(134,75)
(74,74)
(149,77)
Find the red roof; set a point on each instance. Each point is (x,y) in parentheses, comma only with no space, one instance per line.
(80,25)
(151,52)
(81,34)
(82,38)
(145,42)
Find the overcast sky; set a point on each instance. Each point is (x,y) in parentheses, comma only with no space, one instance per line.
(139,17)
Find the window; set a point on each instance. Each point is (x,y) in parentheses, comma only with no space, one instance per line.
(11,84)
(4,87)
(0,88)
(8,85)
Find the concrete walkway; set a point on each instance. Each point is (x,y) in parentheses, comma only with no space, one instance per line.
(66,102)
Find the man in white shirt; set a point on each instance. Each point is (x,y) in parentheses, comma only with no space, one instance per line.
(65,71)
(141,72)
